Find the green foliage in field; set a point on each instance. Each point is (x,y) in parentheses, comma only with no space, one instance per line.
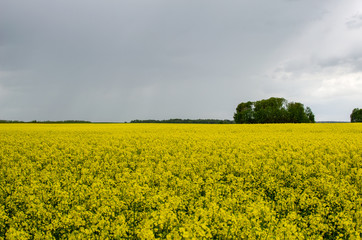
(139,181)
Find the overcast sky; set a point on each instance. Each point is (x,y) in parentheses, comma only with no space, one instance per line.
(119,60)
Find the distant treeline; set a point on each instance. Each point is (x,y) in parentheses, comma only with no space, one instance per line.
(177,120)
(35,121)
(11,121)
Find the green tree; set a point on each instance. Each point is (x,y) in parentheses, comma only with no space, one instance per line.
(244,113)
(296,112)
(271,110)
(310,114)
(356,115)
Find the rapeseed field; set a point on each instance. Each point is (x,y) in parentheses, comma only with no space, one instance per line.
(180,181)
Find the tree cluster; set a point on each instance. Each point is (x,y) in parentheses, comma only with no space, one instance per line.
(356,115)
(273,110)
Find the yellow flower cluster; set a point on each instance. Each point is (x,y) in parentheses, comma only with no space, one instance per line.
(180,181)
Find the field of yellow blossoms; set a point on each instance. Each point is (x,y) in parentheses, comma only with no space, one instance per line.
(180,181)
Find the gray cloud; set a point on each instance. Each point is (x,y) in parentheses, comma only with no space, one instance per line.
(355,21)
(122,60)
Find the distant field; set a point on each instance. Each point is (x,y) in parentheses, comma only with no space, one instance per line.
(180,181)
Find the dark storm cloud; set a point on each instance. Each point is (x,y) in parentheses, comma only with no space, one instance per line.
(121,60)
